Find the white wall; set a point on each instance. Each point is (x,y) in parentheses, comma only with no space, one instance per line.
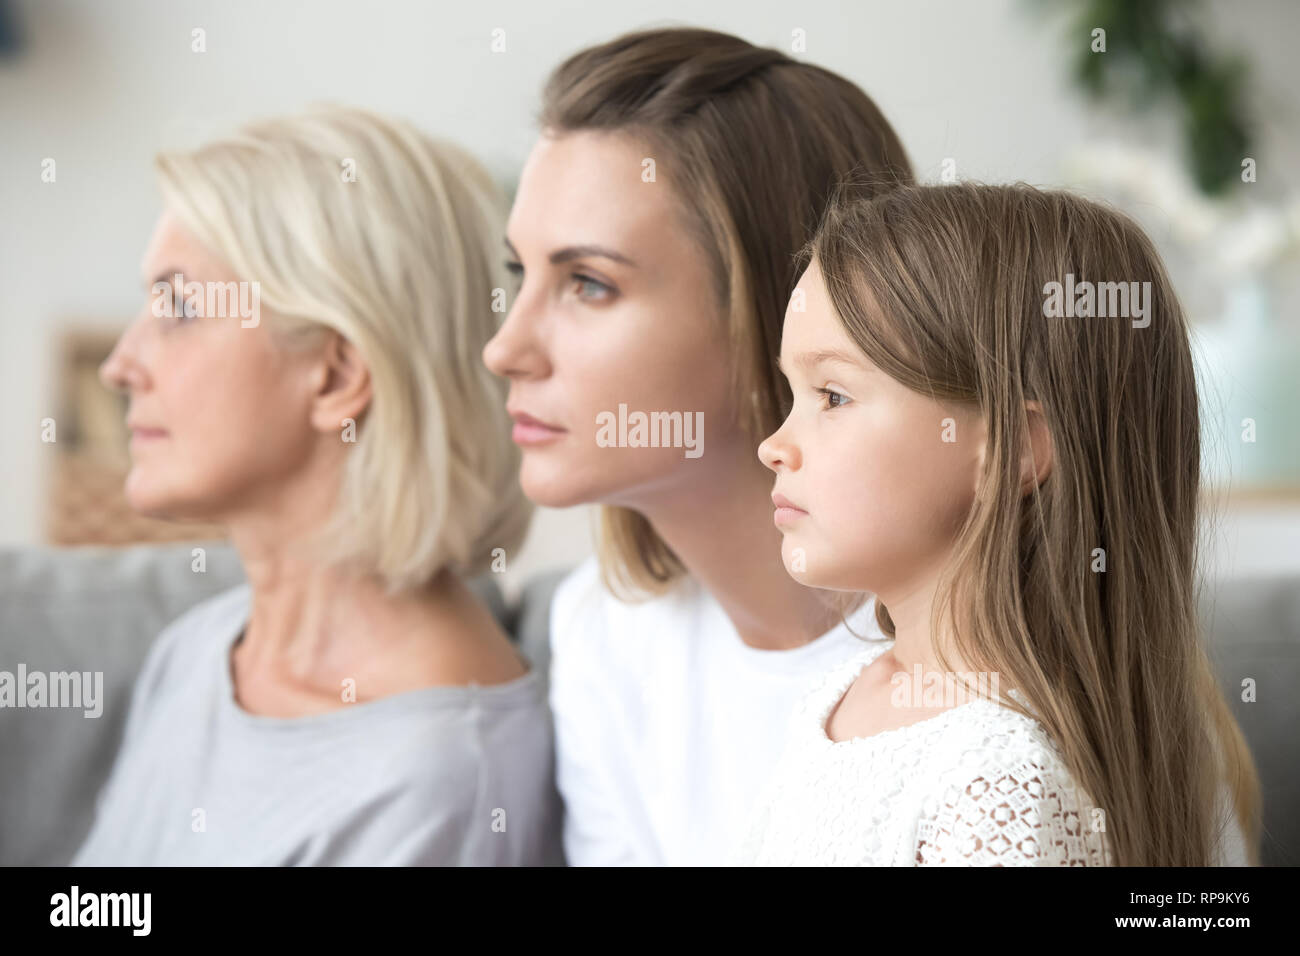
(101,86)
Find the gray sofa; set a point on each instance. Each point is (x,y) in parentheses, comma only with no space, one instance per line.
(99,609)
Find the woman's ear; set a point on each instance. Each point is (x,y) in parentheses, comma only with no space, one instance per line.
(1036,459)
(343,385)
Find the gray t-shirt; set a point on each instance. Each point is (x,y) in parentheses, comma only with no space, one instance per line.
(440,775)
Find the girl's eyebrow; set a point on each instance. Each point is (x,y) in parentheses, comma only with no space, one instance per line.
(808,360)
(569,253)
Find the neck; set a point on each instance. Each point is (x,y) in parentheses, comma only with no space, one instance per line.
(915,640)
(304,609)
(721,529)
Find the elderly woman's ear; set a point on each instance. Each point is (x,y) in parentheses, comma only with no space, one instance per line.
(341,380)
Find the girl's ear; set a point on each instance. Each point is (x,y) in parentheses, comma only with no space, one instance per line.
(1036,459)
(343,389)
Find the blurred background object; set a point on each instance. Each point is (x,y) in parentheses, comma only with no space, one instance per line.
(9,38)
(1152,57)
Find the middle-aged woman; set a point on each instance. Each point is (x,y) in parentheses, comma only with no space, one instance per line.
(307,374)
(654,233)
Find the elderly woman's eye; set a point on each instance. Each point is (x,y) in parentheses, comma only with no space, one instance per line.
(184,309)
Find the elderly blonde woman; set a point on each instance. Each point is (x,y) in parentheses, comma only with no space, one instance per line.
(306,372)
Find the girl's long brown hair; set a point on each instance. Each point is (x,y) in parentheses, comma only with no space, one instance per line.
(943,288)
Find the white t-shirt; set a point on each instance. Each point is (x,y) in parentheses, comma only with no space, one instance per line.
(667,723)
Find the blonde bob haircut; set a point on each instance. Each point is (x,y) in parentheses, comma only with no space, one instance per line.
(362,225)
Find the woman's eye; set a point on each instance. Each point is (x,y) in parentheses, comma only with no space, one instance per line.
(516,269)
(589,288)
(830,395)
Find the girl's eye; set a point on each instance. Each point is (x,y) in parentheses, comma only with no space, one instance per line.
(830,394)
(516,269)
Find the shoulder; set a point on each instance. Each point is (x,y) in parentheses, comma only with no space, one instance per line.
(443,738)
(993,744)
(1006,797)
(438,778)
(825,691)
(473,649)
(193,635)
(183,656)
(577,602)
(219,612)
(586,617)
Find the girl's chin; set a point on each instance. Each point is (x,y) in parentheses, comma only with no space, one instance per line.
(800,564)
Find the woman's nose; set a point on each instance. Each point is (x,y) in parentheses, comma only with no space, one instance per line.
(515,351)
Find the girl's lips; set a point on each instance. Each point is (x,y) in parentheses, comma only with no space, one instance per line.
(147,434)
(787,515)
(787,511)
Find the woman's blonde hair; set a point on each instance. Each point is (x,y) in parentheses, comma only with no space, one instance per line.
(363,225)
(760,140)
(1081,593)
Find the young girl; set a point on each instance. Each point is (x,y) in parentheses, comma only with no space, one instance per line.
(1016,481)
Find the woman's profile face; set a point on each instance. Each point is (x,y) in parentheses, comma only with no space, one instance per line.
(615,307)
(218,410)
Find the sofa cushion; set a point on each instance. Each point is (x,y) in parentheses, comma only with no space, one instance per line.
(1252,627)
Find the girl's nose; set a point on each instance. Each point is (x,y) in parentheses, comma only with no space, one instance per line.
(778,452)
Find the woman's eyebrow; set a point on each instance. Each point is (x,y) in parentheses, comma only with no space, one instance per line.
(568,253)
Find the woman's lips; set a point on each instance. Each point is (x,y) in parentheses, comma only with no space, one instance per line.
(139,433)
(533,431)
(787,511)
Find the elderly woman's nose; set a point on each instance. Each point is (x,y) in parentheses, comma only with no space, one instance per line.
(123,369)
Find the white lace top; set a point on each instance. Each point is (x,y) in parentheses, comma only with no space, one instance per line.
(976,785)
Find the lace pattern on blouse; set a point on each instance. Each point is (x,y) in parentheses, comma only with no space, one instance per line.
(976,785)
